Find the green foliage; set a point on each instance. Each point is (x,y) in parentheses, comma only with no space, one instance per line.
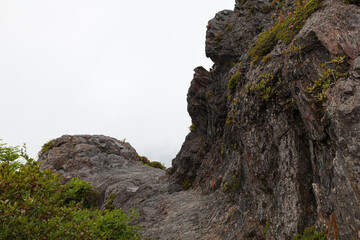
(109,204)
(228,27)
(153,164)
(266,88)
(293,49)
(233,81)
(233,185)
(187,185)
(231,116)
(267,227)
(79,191)
(192,127)
(284,30)
(144,160)
(46,147)
(156,164)
(223,148)
(310,234)
(329,75)
(35,205)
(208,95)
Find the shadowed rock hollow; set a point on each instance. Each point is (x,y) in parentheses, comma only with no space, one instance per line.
(276,133)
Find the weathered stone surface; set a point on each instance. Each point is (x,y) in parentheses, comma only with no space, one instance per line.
(112,166)
(295,159)
(287,159)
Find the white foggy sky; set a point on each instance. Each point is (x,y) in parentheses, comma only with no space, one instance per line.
(112,67)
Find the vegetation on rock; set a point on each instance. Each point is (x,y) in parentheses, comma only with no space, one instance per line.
(35,205)
(285,29)
(328,76)
(153,164)
(192,127)
(234,80)
(310,234)
(47,146)
(266,88)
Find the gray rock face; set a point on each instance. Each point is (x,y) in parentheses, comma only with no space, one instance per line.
(286,158)
(278,146)
(112,166)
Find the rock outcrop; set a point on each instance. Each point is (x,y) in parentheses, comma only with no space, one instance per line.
(113,167)
(275,146)
(281,135)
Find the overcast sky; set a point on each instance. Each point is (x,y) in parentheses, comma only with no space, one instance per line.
(112,67)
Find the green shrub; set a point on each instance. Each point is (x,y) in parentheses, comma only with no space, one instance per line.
(35,205)
(144,160)
(156,164)
(310,234)
(153,164)
(80,192)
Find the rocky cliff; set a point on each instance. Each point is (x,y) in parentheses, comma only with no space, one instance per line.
(275,141)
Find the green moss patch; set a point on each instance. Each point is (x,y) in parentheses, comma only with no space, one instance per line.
(46,147)
(233,81)
(266,88)
(331,72)
(284,30)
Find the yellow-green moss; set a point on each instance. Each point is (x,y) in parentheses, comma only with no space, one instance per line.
(143,159)
(265,88)
(233,81)
(330,74)
(233,185)
(46,147)
(187,185)
(284,30)
(192,127)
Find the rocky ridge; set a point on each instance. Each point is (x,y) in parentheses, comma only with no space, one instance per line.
(275,141)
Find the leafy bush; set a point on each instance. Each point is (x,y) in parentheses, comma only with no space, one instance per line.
(153,164)
(35,205)
(79,191)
